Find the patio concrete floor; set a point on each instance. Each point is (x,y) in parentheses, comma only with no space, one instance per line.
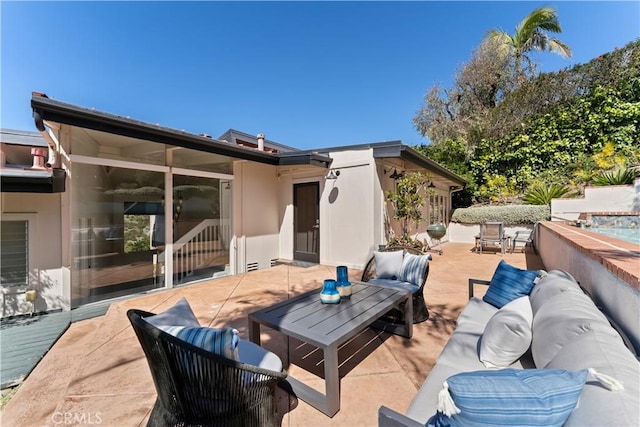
(96,373)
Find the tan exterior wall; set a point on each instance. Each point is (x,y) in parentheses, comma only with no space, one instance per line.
(45,255)
(256,224)
(347,231)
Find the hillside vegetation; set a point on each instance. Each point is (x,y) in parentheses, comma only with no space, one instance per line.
(575,127)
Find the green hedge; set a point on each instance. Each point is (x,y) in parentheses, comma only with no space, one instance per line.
(509,214)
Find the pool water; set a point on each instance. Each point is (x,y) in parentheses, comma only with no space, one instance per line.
(629,234)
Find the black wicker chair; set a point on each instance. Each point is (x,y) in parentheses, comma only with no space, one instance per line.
(198,388)
(420,311)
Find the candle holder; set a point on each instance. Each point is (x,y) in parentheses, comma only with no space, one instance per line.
(329,293)
(342,283)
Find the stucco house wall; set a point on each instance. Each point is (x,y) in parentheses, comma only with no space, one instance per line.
(256,219)
(347,210)
(45,276)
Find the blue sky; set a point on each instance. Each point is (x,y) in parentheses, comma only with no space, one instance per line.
(307,74)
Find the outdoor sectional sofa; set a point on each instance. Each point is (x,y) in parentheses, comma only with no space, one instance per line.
(568,335)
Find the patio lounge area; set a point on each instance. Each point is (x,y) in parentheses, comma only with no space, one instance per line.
(96,373)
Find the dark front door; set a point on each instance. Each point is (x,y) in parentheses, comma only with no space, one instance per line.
(306,222)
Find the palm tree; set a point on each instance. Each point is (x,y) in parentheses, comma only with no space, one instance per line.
(530,34)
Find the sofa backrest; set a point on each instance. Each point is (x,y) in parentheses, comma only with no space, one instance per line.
(569,332)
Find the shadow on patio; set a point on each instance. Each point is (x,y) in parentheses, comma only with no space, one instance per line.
(96,373)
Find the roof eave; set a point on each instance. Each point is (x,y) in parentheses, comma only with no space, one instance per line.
(53,182)
(407,153)
(59,112)
(304,158)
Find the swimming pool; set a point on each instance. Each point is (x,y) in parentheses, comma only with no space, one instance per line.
(629,234)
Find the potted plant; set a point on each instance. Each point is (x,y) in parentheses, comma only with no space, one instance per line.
(407,200)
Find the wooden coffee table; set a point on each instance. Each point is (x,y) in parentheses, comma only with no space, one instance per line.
(328,326)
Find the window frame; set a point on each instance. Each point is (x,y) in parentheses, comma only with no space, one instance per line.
(32,239)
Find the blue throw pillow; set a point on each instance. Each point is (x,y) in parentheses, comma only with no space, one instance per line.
(413,269)
(511,397)
(508,283)
(219,341)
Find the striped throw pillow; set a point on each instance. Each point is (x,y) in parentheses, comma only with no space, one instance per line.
(508,283)
(413,269)
(511,397)
(222,341)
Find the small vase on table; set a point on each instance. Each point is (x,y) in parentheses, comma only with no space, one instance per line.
(342,283)
(329,293)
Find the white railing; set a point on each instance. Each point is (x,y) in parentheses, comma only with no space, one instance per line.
(199,246)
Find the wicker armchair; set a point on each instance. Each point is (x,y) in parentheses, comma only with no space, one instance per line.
(199,388)
(420,311)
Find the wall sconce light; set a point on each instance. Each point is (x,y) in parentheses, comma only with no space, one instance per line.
(396,175)
(333,174)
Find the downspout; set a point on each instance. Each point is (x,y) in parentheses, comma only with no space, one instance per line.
(49,137)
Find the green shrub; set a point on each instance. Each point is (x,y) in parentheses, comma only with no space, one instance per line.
(541,194)
(509,214)
(619,176)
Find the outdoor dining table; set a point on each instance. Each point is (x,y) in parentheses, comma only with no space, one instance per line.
(328,326)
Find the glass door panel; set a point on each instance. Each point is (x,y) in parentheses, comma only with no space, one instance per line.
(113,215)
(200,227)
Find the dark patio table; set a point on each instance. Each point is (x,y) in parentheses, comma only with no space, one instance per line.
(328,326)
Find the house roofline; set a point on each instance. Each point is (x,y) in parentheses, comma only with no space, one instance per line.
(254,139)
(22,137)
(45,108)
(32,181)
(397,149)
(410,154)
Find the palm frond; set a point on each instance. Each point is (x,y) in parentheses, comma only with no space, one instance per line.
(502,42)
(530,32)
(556,46)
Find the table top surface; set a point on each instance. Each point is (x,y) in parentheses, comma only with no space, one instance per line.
(305,317)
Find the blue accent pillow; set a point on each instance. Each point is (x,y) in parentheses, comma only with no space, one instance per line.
(222,341)
(512,397)
(413,269)
(508,283)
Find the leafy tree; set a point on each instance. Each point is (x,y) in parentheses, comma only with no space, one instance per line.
(457,113)
(455,155)
(530,34)
(544,131)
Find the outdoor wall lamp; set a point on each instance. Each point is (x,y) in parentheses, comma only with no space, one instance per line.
(333,174)
(396,175)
